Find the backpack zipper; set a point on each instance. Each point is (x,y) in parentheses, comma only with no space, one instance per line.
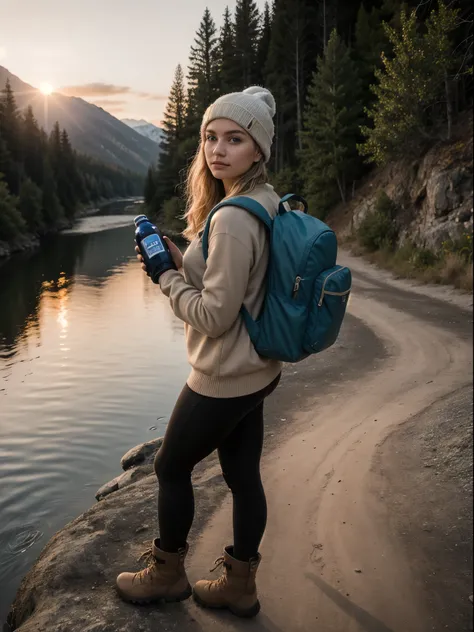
(304,259)
(324,291)
(296,286)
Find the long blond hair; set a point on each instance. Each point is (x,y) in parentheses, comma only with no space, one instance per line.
(203,191)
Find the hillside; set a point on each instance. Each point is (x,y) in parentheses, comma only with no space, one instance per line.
(91,129)
(431,199)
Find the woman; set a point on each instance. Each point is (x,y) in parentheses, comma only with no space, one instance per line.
(221,406)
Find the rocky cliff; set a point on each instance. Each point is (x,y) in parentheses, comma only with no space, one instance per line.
(433,193)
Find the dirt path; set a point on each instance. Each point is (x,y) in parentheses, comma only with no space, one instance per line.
(332,561)
(329,561)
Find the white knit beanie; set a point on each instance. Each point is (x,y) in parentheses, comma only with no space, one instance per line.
(253,109)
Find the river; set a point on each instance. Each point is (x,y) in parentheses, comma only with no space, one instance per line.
(91,362)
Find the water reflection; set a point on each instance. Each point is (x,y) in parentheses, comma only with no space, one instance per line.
(91,362)
(25,278)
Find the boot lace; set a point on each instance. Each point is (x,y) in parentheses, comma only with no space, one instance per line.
(219,563)
(150,562)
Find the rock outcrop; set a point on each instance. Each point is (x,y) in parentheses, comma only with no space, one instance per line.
(143,454)
(434,194)
(137,463)
(71,587)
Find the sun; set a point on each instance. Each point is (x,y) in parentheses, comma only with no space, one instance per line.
(46,88)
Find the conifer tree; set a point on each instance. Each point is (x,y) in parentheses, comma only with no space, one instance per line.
(10,133)
(228,73)
(332,120)
(409,85)
(61,172)
(203,67)
(72,182)
(174,125)
(53,211)
(33,147)
(263,46)
(246,32)
(291,60)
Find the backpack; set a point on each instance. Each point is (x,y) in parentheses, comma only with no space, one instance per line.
(307,293)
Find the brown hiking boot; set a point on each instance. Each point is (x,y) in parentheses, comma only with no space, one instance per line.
(164,579)
(235,589)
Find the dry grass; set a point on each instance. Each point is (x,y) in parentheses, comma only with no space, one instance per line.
(451,269)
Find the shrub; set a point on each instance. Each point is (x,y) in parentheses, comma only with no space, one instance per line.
(377,230)
(461,247)
(424,258)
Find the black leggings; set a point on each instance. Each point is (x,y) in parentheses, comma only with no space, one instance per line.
(198,426)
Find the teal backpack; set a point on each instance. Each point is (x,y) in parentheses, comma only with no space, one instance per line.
(307,292)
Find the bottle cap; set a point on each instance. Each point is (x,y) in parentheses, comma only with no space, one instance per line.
(140,218)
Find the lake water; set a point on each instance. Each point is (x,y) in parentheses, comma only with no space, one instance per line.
(91,362)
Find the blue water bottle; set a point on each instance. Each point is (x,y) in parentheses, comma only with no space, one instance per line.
(153,248)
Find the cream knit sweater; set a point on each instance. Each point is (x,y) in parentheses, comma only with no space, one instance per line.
(208,298)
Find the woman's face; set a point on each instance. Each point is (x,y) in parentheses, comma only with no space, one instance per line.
(230,151)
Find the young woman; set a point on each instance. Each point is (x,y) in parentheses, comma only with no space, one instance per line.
(221,405)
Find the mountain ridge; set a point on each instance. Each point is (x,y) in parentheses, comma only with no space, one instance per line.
(145,128)
(92,130)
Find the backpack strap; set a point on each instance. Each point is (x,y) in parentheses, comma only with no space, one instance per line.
(246,203)
(254,208)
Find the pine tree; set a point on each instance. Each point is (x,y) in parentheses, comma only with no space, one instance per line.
(291,61)
(228,73)
(175,112)
(53,212)
(409,86)
(332,120)
(55,146)
(246,31)
(60,172)
(33,147)
(72,183)
(10,133)
(172,160)
(203,67)
(263,45)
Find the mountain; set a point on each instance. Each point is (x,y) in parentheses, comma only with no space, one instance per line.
(92,130)
(145,129)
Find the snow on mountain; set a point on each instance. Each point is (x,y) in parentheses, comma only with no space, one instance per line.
(145,129)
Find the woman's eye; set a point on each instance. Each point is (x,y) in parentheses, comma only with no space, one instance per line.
(209,137)
(236,139)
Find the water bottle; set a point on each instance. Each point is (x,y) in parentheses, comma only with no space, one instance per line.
(153,248)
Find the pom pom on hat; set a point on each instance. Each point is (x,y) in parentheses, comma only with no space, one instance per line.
(265,95)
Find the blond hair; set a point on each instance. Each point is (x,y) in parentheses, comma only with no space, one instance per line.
(204,191)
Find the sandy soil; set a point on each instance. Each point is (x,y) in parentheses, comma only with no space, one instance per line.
(331,563)
(343,551)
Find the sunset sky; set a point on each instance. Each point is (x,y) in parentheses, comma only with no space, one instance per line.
(118,54)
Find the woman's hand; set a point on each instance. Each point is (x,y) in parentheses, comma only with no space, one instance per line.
(176,253)
(140,259)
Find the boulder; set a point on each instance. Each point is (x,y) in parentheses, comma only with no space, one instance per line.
(127,478)
(141,454)
(107,489)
